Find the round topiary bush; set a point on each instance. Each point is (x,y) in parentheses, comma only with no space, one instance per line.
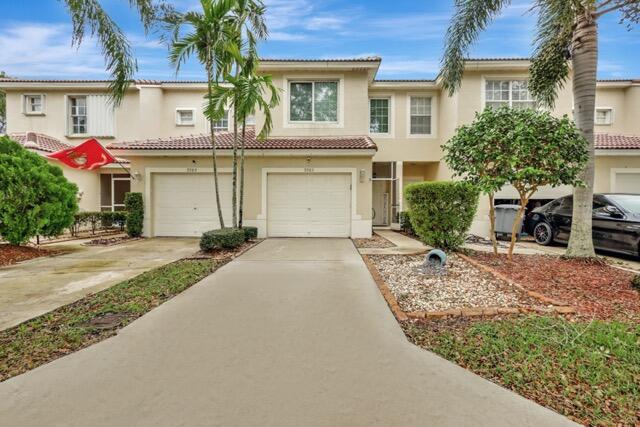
(224,238)
(442,211)
(250,232)
(35,197)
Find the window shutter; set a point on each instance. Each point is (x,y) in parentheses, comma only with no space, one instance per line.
(100,115)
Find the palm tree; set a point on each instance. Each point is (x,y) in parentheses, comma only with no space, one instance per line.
(88,16)
(567,37)
(210,40)
(247,93)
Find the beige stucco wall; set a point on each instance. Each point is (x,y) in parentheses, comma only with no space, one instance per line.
(142,166)
(604,165)
(88,183)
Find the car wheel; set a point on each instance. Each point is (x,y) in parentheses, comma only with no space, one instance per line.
(543,234)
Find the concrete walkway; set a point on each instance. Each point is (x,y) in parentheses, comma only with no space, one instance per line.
(294,332)
(34,287)
(404,245)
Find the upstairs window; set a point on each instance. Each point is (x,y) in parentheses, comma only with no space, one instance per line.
(34,104)
(420,107)
(222,125)
(313,101)
(185,117)
(604,116)
(78,115)
(509,93)
(379,115)
(90,115)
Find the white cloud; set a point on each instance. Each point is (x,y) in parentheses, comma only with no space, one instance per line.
(326,23)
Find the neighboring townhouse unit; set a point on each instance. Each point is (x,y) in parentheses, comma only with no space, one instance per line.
(342,148)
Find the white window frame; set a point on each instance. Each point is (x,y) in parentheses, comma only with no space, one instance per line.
(307,78)
(313,100)
(220,128)
(113,203)
(26,103)
(391,115)
(69,116)
(510,79)
(179,121)
(610,110)
(434,115)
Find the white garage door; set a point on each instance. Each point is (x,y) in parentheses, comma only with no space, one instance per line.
(627,182)
(184,204)
(309,205)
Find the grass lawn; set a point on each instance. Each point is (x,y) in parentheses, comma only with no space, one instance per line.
(588,371)
(95,317)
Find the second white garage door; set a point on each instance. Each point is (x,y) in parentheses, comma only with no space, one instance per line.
(184,204)
(627,182)
(309,205)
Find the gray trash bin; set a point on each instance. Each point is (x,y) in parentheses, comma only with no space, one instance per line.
(505,216)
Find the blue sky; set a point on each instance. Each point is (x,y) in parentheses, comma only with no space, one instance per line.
(408,35)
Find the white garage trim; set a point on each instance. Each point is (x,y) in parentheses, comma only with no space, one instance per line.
(616,171)
(359,227)
(148,202)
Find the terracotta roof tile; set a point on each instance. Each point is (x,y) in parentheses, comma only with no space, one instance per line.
(224,140)
(617,142)
(42,142)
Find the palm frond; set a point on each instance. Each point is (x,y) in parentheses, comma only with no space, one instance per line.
(120,62)
(470,19)
(550,67)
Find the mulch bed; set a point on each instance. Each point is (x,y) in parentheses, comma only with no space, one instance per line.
(376,241)
(594,288)
(462,286)
(110,241)
(10,254)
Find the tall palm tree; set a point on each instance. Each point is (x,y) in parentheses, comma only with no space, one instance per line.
(250,27)
(211,40)
(567,37)
(247,92)
(88,16)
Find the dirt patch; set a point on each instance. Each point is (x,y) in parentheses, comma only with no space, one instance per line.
(462,286)
(376,241)
(10,254)
(595,289)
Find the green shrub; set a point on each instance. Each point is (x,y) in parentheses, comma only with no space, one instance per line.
(635,282)
(250,232)
(35,197)
(224,238)
(405,222)
(98,221)
(114,219)
(442,211)
(135,214)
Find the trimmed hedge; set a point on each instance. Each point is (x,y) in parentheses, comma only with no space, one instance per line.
(223,238)
(250,233)
(442,211)
(135,213)
(405,222)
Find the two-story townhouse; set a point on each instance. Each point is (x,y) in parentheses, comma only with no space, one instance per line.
(342,148)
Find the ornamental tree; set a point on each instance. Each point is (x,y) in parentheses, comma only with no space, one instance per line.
(36,199)
(526,148)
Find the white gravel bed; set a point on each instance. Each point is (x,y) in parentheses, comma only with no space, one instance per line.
(376,241)
(463,286)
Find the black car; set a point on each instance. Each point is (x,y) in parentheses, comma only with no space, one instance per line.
(616,222)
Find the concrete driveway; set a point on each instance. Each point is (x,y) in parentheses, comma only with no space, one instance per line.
(35,287)
(294,332)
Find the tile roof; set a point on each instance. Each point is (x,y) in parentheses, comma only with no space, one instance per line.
(361,59)
(224,140)
(42,142)
(45,143)
(617,142)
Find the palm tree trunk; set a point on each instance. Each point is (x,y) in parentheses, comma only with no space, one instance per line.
(241,202)
(585,63)
(234,195)
(213,150)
